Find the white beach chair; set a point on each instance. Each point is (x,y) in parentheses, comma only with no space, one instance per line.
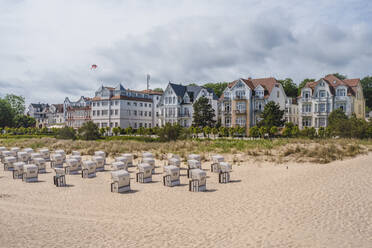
(194,157)
(72,166)
(30,173)
(100,163)
(45,154)
(172,176)
(129,157)
(198,181)
(119,166)
(18,170)
(9,163)
(41,165)
(120,181)
(144,174)
(59,179)
(88,169)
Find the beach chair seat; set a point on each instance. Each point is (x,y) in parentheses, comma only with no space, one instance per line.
(120,181)
(172,176)
(144,174)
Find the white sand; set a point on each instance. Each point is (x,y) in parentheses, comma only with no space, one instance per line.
(307,205)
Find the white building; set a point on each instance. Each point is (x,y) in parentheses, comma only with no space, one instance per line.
(56,115)
(39,111)
(243,101)
(176,104)
(319,99)
(120,107)
(77,113)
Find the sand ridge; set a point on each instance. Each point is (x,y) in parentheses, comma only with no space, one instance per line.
(266,205)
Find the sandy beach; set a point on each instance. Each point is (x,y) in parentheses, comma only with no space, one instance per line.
(266,205)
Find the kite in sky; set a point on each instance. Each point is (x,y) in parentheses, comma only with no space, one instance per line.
(93,67)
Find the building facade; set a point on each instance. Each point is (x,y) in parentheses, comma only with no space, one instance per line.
(176,104)
(120,107)
(56,116)
(39,111)
(243,101)
(319,99)
(77,113)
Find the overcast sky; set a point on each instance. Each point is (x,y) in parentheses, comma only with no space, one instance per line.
(47,46)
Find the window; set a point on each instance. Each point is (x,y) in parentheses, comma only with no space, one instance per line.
(111,103)
(94,104)
(322,93)
(116,112)
(145,113)
(94,112)
(141,104)
(306,122)
(149,125)
(145,104)
(240,94)
(104,112)
(135,112)
(174,100)
(98,112)
(111,124)
(322,107)
(111,112)
(135,104)
(128,103)
(140,125)
(140,113)
(135,125)
(306,108)
(145,125)
(116,103)
(341,92)
(322,122)
(149,113)
(116,124)
(104,103)
(277,94)
(306,94)
(97,104)
(150,105)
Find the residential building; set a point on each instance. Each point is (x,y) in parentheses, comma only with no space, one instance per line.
(243,101)
(176,104)
(56,115)
(77,113)
(319,99)
(291,110)
(156,98)
(120,107)
(39,111)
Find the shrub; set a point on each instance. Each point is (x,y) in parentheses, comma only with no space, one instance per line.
(66,133)
(169,132)
(89,131)
(254,132)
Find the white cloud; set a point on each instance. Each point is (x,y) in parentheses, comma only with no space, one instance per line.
(47,47)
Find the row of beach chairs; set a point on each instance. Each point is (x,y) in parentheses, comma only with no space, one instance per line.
(27,164)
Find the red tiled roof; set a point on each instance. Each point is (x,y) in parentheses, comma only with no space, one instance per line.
(152,92)
(334,82)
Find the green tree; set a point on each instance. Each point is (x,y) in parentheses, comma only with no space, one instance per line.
(272,116)
(263,131)
(6,114)
(116,131)
(170,132)
(24,121)
(129,130)
(295,131)
(223,131)
(290,88)
(367,91)
(287,131)
(206,131)
(218,88)
(66,133)
(89,131)
(158,90)
(339,76)
(273,130)
(303,83)
(338,123)
(214,131)
(254,132)
(203,113)
(321,132)
(17,103)
(102,131)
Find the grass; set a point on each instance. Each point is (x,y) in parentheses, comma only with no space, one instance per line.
(276,150)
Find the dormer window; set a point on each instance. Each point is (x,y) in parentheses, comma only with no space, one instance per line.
(341,92)
(306,94)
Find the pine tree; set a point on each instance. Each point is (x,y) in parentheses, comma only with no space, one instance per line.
(203,113)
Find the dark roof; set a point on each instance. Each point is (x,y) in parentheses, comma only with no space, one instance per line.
(59,108)
(178,89)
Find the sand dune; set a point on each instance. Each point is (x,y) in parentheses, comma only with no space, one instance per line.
(266,205)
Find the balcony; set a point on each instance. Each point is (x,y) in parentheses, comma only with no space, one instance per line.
(239,97)
(184,115)
(307,99)
(240,111)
